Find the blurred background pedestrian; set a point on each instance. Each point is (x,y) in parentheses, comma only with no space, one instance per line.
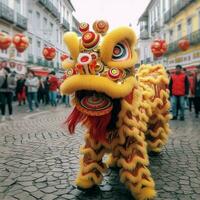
(32,84)
(53,86)
(21,90)
(197,93)
(7,88)
(179,87)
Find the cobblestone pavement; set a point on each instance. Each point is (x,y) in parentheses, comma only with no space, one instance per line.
(38,160)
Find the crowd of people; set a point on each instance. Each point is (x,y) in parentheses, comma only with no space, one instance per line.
(29,89)
(184,89)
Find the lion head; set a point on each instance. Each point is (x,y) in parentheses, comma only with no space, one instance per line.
(99,70)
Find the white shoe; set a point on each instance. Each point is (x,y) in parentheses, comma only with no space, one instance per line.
(37,109)
(3,119)
(10,117)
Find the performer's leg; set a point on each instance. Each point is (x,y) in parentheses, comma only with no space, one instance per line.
(134,172)
(91,166)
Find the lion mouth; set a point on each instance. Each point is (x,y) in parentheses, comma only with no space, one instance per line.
(93,103)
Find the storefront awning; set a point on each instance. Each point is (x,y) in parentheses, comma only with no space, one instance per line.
(39,71)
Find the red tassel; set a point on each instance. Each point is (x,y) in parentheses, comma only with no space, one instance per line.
(98,124)
(74,118)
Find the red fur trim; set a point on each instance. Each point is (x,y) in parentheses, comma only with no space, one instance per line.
(97,124)
(74,118)
(98,128)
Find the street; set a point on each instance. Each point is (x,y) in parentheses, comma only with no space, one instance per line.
(39,160)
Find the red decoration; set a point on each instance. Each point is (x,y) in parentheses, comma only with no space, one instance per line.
(21,42)
(90,39)
(98,128)
(83,27)
(159,47)
(5,41)
(49,53)
(100,26)
(114,73)
(184,44)
(64,57)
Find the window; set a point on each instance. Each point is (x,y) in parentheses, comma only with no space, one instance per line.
(164,5)
(179,31)
(51,32)
(57,36)
(38,21)
(171,35)
(199,20)
(45,24)
(61,35)
(18,6)
(30,49)
(189,26)
(38,49)
(164,36)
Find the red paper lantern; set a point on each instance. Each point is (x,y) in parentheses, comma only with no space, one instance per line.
(21,42)
(49,53)
(184,44)
(64,57)
(159,47)
(5,41)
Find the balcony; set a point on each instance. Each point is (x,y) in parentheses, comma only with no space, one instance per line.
(21,22)
(167,16)
(39,61)
(50,7)
(157,26)
(30,59)
(144,35)
(45,63)
(6,13)
(65,24)
(176,9)
(194,39)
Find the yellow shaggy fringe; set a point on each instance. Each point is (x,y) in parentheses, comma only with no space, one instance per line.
(149,107)
(142,124)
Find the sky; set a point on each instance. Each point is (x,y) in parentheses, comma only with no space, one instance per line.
(116,12)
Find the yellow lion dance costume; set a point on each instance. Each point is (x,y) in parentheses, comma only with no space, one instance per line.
(126,113)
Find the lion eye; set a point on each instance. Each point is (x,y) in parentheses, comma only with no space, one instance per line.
(121,52)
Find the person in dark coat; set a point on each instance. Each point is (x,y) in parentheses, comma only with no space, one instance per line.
(21,90)
(197,93)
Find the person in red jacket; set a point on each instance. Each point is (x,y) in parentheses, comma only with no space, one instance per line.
(179,87)
(53,86)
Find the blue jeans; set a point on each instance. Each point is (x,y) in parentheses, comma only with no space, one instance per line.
(53,97)
(178,102)
(32,96)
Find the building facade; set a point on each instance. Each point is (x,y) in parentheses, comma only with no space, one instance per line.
(151,27)
(171,20)
(182,21)
(44,22)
